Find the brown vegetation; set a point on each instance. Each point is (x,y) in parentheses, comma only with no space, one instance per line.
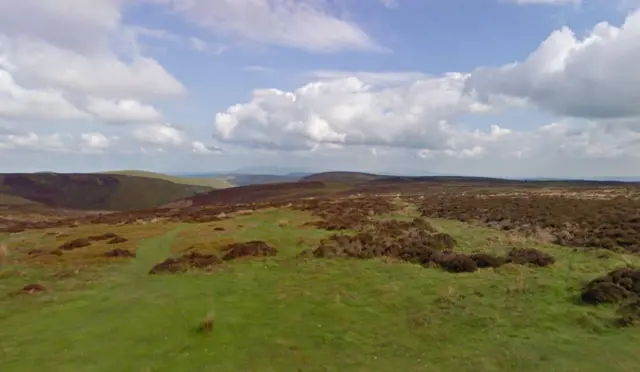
(33,288)
(417,242)
(345,214)
(119,253)
(620,286)
(254,248)
(74,244)
(186,262)
(601,223)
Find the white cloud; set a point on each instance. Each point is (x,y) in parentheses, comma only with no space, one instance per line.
(302,24)
(592,77)
(122,111)
(102,75)
(19,103)
(33,142)
(95,141)
(200,148)
(349,112)
(159,135)
(72,24)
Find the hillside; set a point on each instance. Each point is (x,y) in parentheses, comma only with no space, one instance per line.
(92,191)
(212,182)
(343,177)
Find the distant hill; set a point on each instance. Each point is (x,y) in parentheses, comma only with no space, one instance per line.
(342,177)
(92,191)
(212,182)
(240,179)
(259,179)
(274,192)
(276,171)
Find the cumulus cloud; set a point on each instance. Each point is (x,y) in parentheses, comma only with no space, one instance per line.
(33,142)
(19,103)
(122,111)
(159,135)
(94,142)
(101,75)
(198,147)
(591,77)
(349,112)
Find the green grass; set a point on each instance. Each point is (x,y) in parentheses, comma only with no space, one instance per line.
(322,315)
(213,182)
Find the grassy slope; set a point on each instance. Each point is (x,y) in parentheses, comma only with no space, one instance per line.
(12,200)
(96,191)
(213,182)
(319,315)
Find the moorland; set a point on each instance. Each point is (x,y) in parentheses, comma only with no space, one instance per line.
(336,271)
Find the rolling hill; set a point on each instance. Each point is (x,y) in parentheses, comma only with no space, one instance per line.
(109,192)
(343,177)
(212,182)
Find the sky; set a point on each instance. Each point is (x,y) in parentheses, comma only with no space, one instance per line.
(502,88)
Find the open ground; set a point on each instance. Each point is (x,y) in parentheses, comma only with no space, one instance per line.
(330,275)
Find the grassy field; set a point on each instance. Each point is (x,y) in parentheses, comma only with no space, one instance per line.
(213,182)
(291,314)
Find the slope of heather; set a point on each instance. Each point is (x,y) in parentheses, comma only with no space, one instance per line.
(94,191)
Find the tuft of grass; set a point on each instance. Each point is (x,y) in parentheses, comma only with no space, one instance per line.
(206,325)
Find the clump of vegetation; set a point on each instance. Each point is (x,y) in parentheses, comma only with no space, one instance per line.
(206,325)
(119,253)
(33,288)
(255,248)
(459,263)
(117,240)
(485,260)
(529,256)
(186,262)
(74,244)
(620,286)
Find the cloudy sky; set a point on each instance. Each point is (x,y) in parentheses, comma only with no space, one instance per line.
(475,87)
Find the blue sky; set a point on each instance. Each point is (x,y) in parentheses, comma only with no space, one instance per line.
(479,87)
